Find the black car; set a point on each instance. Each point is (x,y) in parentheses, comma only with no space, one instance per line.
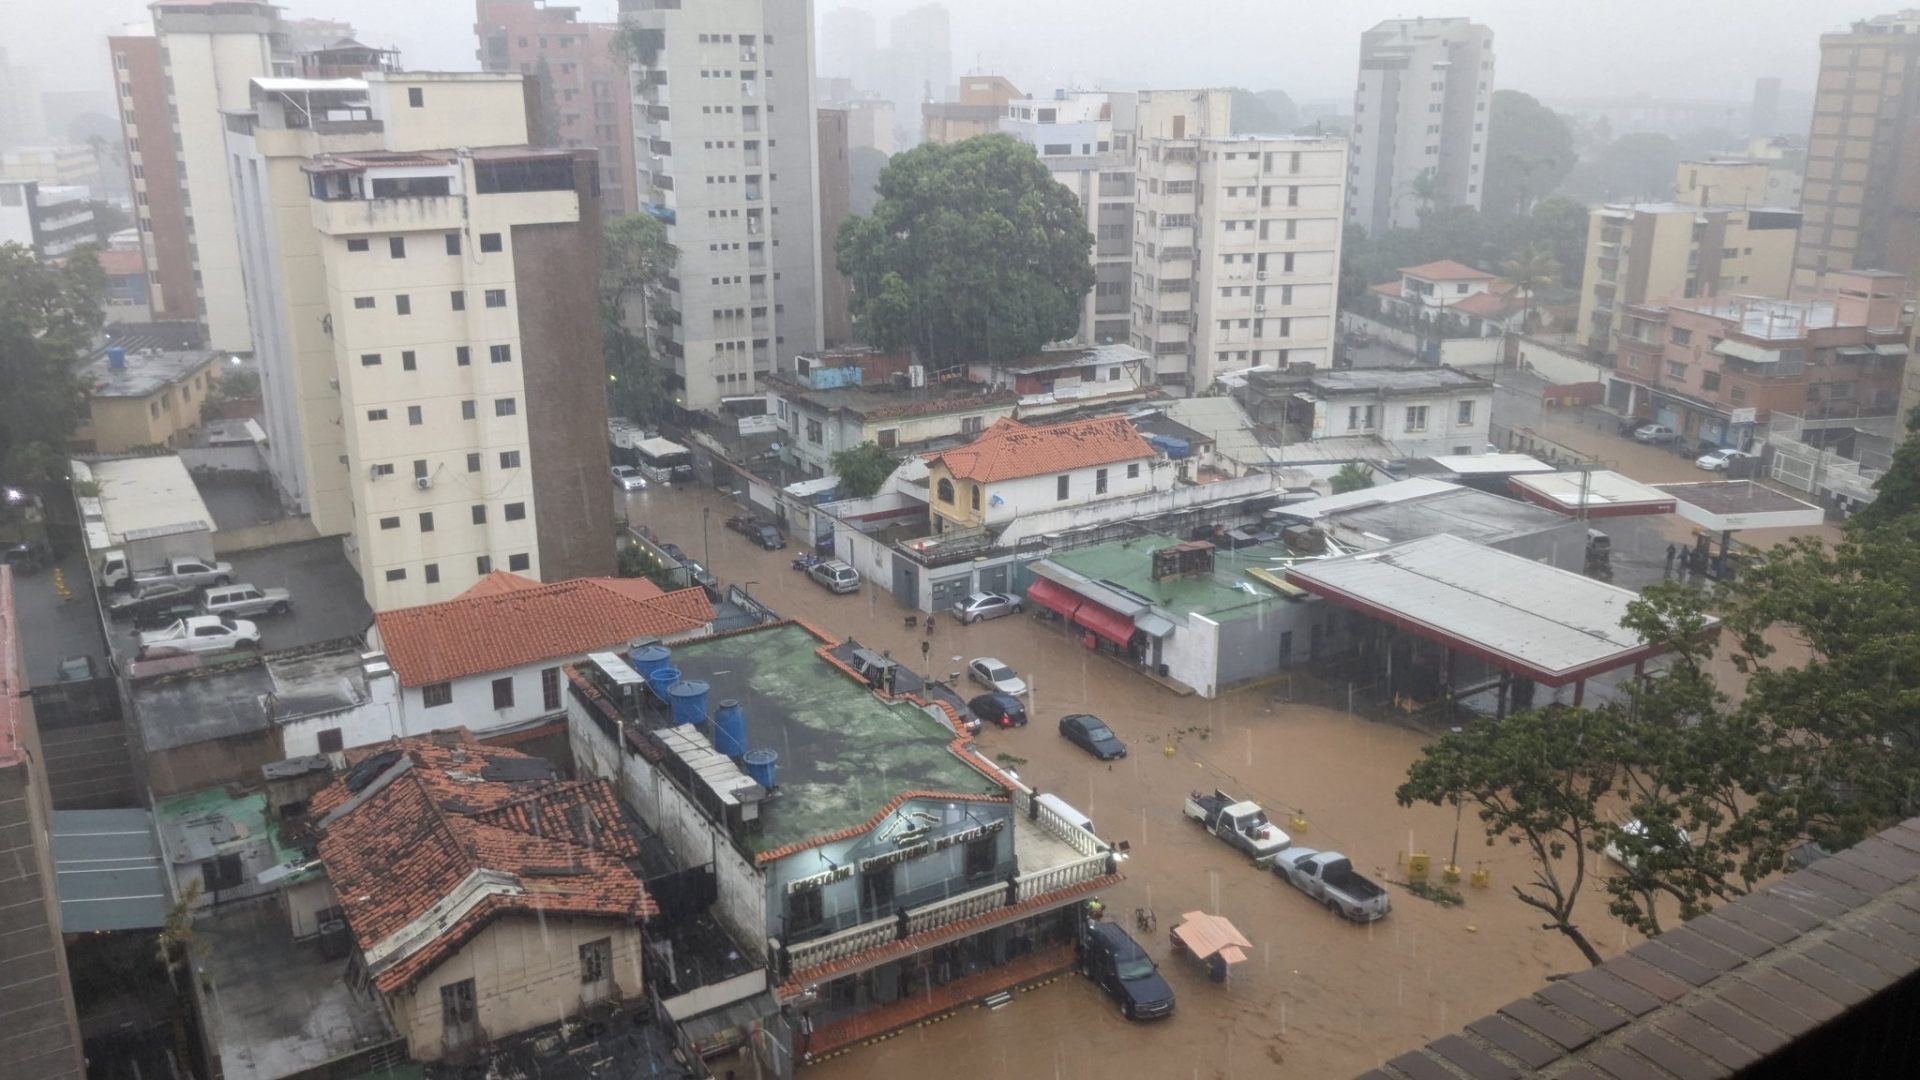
(766,536)
(156,605)
(1120,967)
(1002,709)
(673,552)
(1092,735)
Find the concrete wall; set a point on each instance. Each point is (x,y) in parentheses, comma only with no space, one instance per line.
(472,704)
(525,972)
(1560,365)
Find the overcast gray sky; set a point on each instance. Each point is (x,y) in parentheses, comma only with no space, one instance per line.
(1691,48)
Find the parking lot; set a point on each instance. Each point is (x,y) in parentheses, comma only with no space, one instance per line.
(1319,996)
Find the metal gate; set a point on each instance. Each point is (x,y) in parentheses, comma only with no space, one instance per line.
(906,581)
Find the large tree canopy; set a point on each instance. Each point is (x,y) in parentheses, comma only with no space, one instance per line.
(48,314)
(974,252)
(1529,152)
(638,259)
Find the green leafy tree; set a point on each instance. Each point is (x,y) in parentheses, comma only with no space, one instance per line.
(637,261)
(1529,152)
(1531,269)
(48,314)
(1897,493)
(974,252)
(1353,476)
(1537,779)
(861,469)
(1560,223)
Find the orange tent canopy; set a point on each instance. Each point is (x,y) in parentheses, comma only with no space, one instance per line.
(1206,934)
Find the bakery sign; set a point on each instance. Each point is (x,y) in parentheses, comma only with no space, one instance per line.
(820,880)
(922,846)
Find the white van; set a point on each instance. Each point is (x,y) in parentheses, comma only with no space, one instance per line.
(1067,813)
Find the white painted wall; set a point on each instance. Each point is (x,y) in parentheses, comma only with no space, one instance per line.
(375,720)
(1443,432)
(1191,653)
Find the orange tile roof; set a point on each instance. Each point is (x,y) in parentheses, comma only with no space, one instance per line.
(1010,450)
(1390,288)
(446,811)
(1445,270)
(498,624)
(1492,305)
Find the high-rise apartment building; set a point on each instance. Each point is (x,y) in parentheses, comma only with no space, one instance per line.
(23,122)
(1861,197)
(836,194)
(921,43)
(1419,120)
(427,330)
(1236,241)
(173,89)
(848,41)
(728,152)
(1085,139)
(582,83)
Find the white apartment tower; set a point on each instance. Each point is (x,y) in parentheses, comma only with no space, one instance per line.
(211,52)
(1236,241)
(1085,139)
(1420,111)
(425,291)
(728,156)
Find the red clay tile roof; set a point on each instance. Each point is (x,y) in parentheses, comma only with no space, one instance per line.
(1445,270)
(497,582)
(1491,305)
(498,625)
(1009,449)
(434,827)
(1390,288)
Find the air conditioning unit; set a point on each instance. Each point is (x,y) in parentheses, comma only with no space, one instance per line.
(373,472)
(333,384)
(423,482)
(1261,275)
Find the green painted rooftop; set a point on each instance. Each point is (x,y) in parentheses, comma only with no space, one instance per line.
(1129,564)
(245,816)
(844,753)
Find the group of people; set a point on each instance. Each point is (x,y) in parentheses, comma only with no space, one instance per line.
(1694,561)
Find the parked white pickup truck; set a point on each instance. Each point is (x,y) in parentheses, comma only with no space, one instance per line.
(1329,877)
(1240,823)
(201,633)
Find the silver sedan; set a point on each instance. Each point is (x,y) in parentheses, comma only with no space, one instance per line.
(986,605)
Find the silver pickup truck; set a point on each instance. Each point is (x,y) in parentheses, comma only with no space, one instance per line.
(1238,822)
(1329,877)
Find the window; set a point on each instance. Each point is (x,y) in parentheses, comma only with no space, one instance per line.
(489,241)
(516,511)
(1709,380)
(406,360)
(1465,418)
(389,523)
(434,695)
(944,491)
(1060,488)
(550,688)
(462,355)
(397,575)
(876,892)
(403,304)
(505,407)
(981,858)
(479,513)
(220,872)
(371,359)
(888,438)
(330,741)
(419,467)
(383,470)
(432,571)
(803,910)
(468,410)
(414,416)
(397,246)
(426,521)
(1133,471)
(483,565)
(1676,370)
(459,298)
(362,303)
(496,298)
(509,459)
(596,957)
(1416,418)
(417,99)
(521,561)
(473,462)
(1100,482)
(1682,337)
(500,354)
(357,243)
(376,414)
(453,243)
(814,433)
(503,693)
(972,425)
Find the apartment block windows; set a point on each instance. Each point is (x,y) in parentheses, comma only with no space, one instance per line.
(371,359)
(403,304)
(496,298)
(516,511)
(357,244)
(415,417)
(376,414)
(505,406)
(453,243)
(426,521)
(397,575)
(417,99)
(1416,418)
(1060,489)
(499,354)
(1465,417)
(462,355)
(509,459)
(489,241)
(363,303)
(473,462)
(432,571)
(479,513)
(483,565)
(1359,418)
(1100,482)
(468,410)
(503,693)
(521,561)
(406,360)
(459,298)
(389,523)
(397,246)
(434,695)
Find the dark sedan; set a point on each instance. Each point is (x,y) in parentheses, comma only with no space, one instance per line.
(1089,733)
(1004,710)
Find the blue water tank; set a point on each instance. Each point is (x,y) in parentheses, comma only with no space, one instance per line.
(730,729)
(689,700)
(761,765)
(116,358)
(648,659)
(661,679)
(1175,448)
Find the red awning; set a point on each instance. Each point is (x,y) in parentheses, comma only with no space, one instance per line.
(1106,622)
(1053,597)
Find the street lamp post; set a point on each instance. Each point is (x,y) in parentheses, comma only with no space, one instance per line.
(706,552)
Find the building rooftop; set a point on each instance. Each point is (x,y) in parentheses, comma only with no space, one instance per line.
(1597,492)
(176,336)
(137,494)
(1447,270)
(108,871)
(1128,565)
(845,754)
(883,402)
(1468,513)
(1400,380)
(1416,487)
(200,825)
(1721,505)
(1054,358)
(247,695)
(1789,980)
(1546,624)
(1010,450)
(506,621)
(1773,320)
(1492,464)
(428,839)
(141,373)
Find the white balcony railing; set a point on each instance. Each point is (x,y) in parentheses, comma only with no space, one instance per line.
(955,908)
(1055,878)
(849,942)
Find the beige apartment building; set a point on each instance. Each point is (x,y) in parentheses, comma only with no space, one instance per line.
(983,101)
(1236,241)
(1861,196)
(1641,253)
(429,347)
(1419,120)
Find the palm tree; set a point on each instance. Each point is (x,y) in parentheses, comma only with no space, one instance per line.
(1353,476)
(1532,268)
(1425,189)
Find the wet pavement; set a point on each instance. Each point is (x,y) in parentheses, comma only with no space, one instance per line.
(1319,996)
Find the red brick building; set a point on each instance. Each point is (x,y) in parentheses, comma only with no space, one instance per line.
(583,88)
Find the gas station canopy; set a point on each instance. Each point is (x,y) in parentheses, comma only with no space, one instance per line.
(1729,505)
(1600,492)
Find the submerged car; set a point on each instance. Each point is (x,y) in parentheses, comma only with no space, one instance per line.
(994,675)
(1092,735)
(1718,460)
(1654,433)
(985,605)
(1002,710)
(1124,972)
(628,478)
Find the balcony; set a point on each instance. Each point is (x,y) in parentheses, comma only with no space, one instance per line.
(1169,254)
(426,213)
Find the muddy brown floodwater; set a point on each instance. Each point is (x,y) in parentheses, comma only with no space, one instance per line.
(1319,996)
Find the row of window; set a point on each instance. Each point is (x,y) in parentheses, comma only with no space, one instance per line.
(469,410)
(462,357)
(513,511)
(434,695)
(457,301)
(1362,417)
(482,565)
(397,245)
(509,459)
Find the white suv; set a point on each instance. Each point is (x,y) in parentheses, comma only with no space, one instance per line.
(251,600)
(835,576)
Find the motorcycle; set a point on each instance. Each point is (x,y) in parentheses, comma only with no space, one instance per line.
(806,562)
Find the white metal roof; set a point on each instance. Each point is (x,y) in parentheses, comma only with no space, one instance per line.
(657,446)
(1548,624)
(287,85)
(1399,491)
(1725,505)
(1602,492)
(140,493)
(1484,464)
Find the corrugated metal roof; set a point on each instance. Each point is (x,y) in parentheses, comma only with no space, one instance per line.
(107,867)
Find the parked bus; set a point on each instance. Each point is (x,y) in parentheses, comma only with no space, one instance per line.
(664,462)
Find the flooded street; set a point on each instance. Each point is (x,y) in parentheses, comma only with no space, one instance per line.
(1319,996)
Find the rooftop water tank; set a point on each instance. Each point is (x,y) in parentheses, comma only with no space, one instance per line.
(689,700)
(648,659)
(761,765)
(116,358)
(661,679)
(730,729)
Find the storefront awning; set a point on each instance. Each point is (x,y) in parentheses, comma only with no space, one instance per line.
(1053,597)
(1152,625)
(1890,350)
(1743,351)
(1109,624)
